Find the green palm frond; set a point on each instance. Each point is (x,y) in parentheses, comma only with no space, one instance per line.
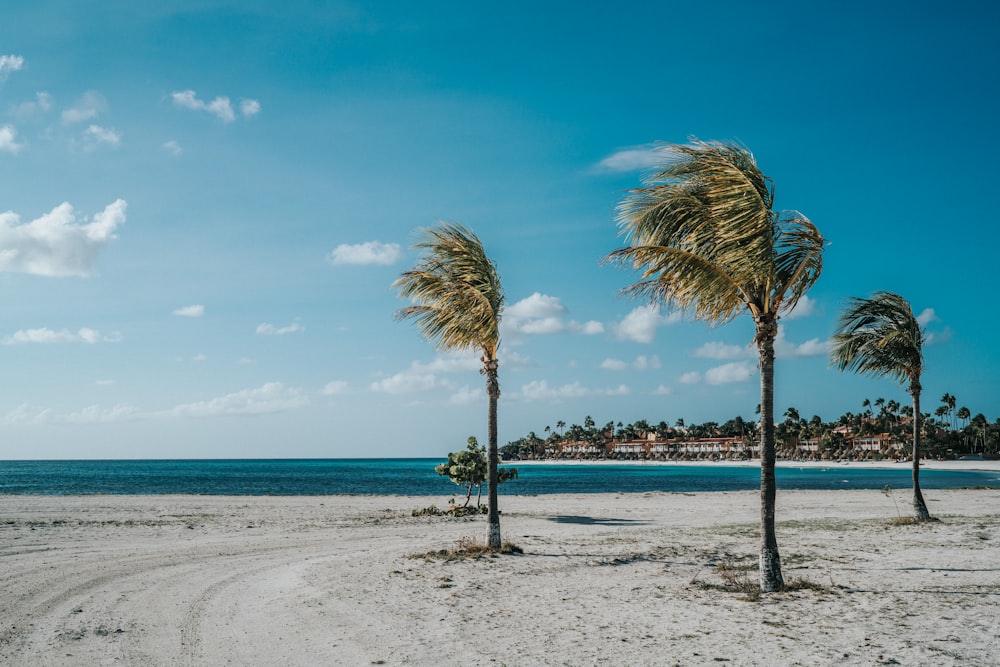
(703,234)
(456,291)
(879,336)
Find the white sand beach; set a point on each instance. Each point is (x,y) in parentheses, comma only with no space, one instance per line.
(605,579)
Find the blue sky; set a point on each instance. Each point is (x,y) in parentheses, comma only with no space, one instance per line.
(204,205)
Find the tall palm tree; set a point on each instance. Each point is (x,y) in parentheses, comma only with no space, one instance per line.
(458,302)
(880,336)
(703,233)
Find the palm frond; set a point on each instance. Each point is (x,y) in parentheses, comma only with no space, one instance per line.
(879,336)
(456,291)
(702,233)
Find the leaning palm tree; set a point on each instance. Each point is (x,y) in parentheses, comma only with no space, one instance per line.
(458,302)
(703,232)
(880,336)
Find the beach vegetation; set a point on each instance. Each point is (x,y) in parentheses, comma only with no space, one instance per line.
(468,468)
(457,302)
(704,235)
(881,336)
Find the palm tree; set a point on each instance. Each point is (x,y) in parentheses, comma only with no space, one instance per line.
(880,336)
(458,302)
(703,232)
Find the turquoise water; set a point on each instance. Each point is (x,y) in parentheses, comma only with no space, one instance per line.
(417,477)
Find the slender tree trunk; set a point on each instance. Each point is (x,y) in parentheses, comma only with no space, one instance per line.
(919,506)
(493,518)
(770,561)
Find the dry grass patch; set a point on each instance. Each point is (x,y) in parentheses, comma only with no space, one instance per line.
(470,548)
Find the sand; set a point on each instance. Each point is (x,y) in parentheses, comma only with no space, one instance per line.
(605,579)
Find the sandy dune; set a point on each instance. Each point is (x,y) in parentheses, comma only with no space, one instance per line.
(605,580)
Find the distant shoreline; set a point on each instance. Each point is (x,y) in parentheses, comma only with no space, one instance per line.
(925,464)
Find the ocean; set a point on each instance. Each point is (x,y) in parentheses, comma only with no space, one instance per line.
(416,477)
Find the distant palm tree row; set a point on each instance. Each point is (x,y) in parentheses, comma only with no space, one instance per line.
(941,437)
(704,236)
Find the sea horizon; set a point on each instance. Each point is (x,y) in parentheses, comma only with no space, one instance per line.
(415,476)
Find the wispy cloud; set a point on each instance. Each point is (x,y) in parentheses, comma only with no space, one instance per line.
(369,252)
(269,398)
(8,140)
(249,107)
(737,371)
(196,310)
(8,64)
(641,363)
(45,335)
(173,148)
(803,308)
(55,244)
(220,107)
(41,104)
(336,388)
(641,324)
(89,106)
(721,351)
(633,158)
(926,317)
(95,136)
(266,329)
(538,390)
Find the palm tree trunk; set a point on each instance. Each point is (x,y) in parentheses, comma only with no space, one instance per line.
(770,561)
(493,517)
(919,506)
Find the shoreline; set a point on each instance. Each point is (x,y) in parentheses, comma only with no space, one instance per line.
(925,464)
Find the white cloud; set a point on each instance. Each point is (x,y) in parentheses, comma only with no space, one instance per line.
(173,148)
(54,244)
(722,351)
(926,317)
(467,395)
(814,347)
(196,310)
(369,252)
(220,107)
(406,382)
(693,377)
(541,314)
(662,390)
(266,329)
(89,106)
(9,64)
(336,388)
(95,135)
(641,324)
(249,107)
(95,414)
(540,390)
(614,365)
(41,104)
(737,371)
(804,308)
(8,140)
(269,398)
(589,328)
(27,414)
(634,158)
(641,363)
(45,335)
